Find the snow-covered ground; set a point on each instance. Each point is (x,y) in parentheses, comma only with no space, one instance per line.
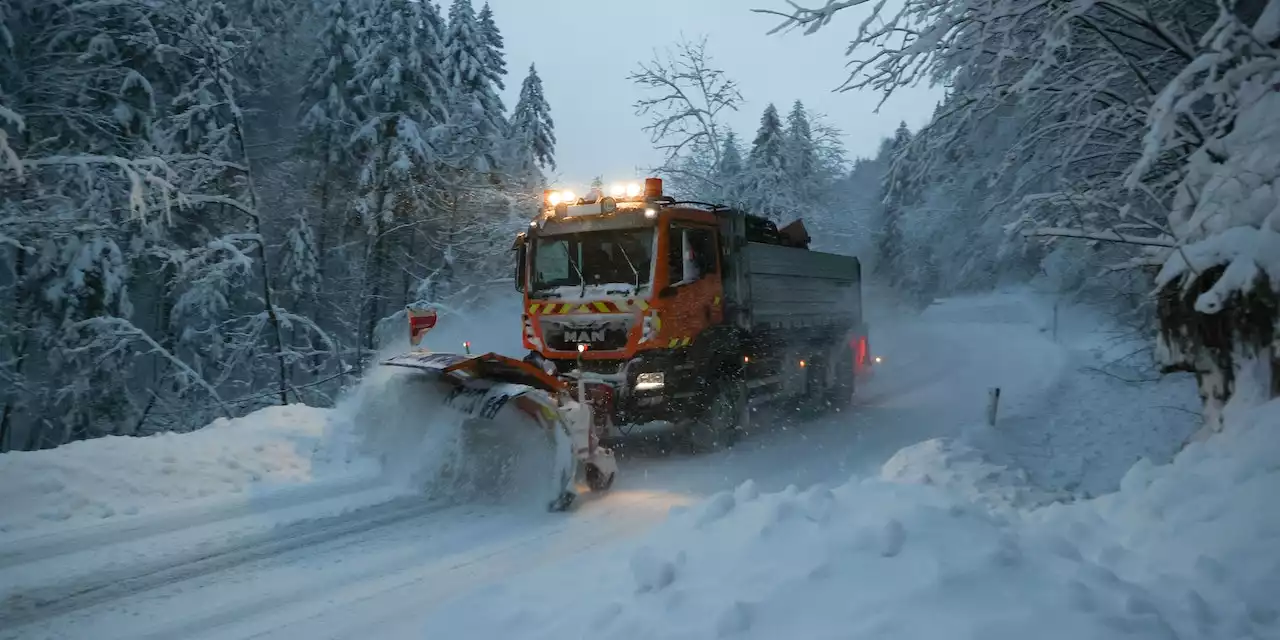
(324,533)
(1188,550)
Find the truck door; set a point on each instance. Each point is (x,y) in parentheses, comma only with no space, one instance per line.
(692,300)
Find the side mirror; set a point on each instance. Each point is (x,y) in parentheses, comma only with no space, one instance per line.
(520,270)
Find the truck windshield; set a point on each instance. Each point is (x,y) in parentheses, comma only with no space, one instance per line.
(569,264)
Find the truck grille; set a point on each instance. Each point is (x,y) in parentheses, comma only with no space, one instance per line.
(598,335)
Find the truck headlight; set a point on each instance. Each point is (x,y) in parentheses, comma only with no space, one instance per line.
(649,381)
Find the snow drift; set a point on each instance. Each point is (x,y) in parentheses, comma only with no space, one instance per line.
(390,432)
(1183,550)
(90,481)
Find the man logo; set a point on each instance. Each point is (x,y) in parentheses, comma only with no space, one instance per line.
(589,335)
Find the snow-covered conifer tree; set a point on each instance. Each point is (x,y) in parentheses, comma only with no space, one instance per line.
(476,113)
(495,61)
(799,151)
(330,116)
(329,112)
(731,163)
(403,92)
(532,132)
(766,187)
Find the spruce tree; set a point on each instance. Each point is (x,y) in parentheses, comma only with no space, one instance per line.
(729,173)
(800,157)
(402,90)
(495,63)
(889,244)
(766,186)
(476,120)
(730,156)
(532,131)
(768,148)
(329,113)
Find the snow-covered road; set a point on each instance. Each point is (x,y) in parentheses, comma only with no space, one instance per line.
(360,560)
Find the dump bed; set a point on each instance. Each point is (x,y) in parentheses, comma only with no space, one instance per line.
(773,286)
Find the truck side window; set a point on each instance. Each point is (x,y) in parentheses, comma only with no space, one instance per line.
(702,243)
(691,254)
(675,255)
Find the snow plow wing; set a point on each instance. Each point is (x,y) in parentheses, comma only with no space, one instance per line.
(491,390)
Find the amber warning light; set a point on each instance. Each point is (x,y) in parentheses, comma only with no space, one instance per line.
(650,189)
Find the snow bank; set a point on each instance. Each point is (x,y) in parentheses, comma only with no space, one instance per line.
(956,466)
(1186,550)
(90,481)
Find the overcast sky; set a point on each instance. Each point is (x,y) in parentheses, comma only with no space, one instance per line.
(584,50)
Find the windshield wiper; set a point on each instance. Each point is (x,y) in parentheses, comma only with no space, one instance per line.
(634,271)
(581,278)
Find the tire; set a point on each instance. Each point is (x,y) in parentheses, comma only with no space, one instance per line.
(562,503)
(817,396)
(597,481)
(724,421)
(840,396)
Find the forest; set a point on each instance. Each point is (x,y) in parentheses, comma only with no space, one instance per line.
(207,207)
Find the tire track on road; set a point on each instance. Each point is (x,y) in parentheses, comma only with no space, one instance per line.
(27,607)
(45,546)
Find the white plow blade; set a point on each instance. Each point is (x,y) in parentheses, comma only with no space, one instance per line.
(504,401)
(513,437)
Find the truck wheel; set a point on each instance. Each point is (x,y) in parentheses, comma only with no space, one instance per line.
(720,426)
(596,480)
(840,396)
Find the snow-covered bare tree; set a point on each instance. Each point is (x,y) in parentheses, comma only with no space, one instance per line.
(689,97)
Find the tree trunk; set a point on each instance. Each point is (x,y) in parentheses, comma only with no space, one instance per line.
(19,352)
(1232,352)
(264,268)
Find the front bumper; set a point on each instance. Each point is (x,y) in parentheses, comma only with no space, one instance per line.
(624,394)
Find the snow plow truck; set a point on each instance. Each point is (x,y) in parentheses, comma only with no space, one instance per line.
(686,315)
(642,310)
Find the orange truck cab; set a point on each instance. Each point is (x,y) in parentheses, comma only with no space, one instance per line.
(686,314)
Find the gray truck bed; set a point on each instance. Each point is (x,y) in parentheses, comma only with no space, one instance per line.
(777,287)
